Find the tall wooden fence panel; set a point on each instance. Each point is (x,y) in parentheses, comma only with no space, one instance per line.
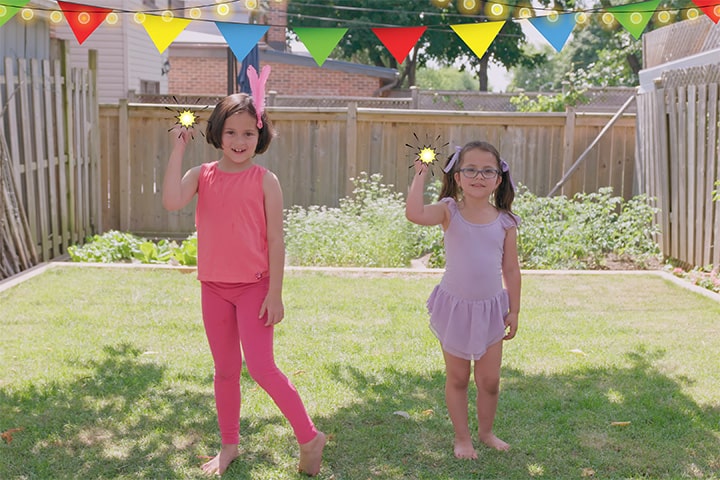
(678,161)
(317,151)
(49,113)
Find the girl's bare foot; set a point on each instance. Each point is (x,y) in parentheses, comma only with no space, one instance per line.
(465,449)
(222,460)
(494,442)
(311,455)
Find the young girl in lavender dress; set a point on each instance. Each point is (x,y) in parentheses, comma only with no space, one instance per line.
(471,311)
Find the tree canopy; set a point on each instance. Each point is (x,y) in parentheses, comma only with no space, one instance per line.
(439,43)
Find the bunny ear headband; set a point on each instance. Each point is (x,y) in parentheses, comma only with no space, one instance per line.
(257,87)
(453,160)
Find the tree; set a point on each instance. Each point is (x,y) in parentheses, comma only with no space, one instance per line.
(602,55)
(439,43)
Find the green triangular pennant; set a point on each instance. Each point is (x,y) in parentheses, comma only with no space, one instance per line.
(320,41)
(635,17)
(10,8)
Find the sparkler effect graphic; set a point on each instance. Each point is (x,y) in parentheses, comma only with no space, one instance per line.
(428,152)
(185,117)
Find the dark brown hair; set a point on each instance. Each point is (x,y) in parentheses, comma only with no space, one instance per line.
(230,105)
(505,193)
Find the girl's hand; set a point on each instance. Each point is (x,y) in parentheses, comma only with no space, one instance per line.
(181,134)
(511,325)
(420,167)
(275,311)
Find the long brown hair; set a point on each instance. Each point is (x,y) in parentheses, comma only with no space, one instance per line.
(504,194)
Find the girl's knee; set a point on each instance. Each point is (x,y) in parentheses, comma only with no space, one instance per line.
(490,385)
(263,373)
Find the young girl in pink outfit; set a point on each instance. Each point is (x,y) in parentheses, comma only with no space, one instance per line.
(471,313)
(241,256)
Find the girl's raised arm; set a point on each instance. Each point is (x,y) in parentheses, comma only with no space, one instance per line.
(178,189)
(415,209)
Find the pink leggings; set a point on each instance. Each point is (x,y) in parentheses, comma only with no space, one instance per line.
(230,314)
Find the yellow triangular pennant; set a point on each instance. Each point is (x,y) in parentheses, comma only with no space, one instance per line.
(478,36)
(163,30)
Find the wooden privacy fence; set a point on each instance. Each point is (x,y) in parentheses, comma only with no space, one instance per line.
(317,151)
(678,161)
(49,113)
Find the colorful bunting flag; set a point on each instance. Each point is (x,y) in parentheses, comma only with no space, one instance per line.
(320,41)
(163,30)
(9,8)
(555,28)
(241,37)
(478,36)
(83,19)
(711,8)
(399,41)
(635,17)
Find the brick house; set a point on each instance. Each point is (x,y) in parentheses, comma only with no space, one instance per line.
(201,64)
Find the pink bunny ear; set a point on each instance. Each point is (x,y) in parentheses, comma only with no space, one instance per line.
(257,88)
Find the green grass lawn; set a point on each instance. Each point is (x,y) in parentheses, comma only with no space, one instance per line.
(108,374)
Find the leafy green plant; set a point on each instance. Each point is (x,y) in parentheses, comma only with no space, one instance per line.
(572,95)
(367,229)
(114,246)
(580,233)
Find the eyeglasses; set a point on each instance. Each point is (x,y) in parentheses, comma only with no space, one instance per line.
(486,173)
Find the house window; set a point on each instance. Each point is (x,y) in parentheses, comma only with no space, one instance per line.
(149,87)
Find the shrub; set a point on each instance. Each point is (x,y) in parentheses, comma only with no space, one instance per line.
(114,246)
(368,229)
(580,233)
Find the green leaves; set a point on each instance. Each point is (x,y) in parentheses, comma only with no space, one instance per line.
(368,229)
(114,246)
(580,233)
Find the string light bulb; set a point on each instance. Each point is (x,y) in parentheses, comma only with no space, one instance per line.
(581,18)
(55,16)
(112,18)
(468,7)
(27,14)
(195,13)
(524,12)
(223,9)
(139,18)
(167,16)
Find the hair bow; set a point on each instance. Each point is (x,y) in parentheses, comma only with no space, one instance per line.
(506,169)
(257,88)
(453,159)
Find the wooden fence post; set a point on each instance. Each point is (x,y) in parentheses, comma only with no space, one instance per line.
(69,135)
(351,146)
(94,147)
(124,165)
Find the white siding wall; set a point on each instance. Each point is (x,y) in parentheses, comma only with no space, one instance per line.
(21,39)
(126,54)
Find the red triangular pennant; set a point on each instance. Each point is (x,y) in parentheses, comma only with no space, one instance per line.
(83,19)
(399,41)
(710,7)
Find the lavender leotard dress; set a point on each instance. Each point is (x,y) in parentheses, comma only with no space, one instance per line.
(469,305)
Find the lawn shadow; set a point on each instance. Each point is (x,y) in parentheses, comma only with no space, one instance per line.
(559,426)
(120,421)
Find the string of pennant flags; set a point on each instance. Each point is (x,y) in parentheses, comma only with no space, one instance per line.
(556,27)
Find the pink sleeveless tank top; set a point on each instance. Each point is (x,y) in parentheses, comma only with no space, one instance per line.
(231,225)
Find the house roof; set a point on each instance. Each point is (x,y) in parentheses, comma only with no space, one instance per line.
(194,43)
